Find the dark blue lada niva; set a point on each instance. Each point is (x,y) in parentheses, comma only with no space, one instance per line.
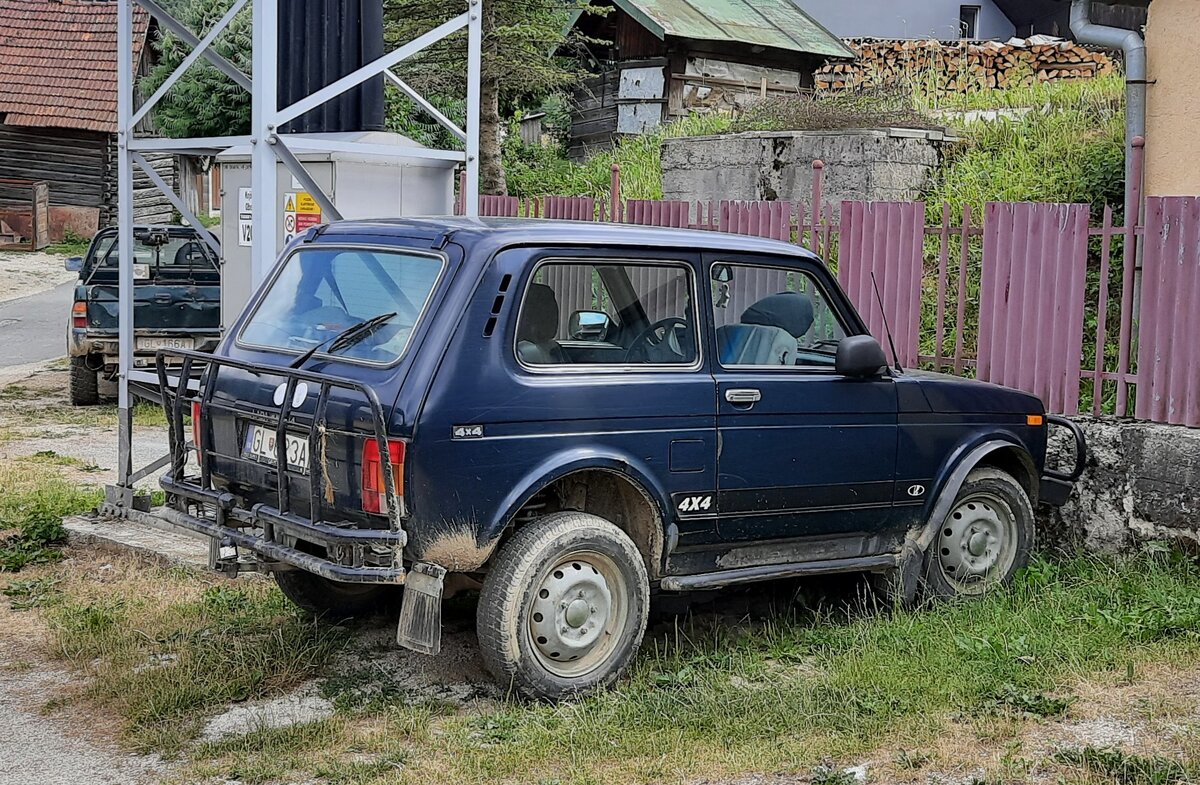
(574,416)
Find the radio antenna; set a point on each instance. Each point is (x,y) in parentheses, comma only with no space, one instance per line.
(886,328)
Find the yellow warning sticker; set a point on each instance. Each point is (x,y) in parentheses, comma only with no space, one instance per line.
(306,204)
(289,206)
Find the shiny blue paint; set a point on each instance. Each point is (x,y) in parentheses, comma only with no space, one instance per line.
(670,431)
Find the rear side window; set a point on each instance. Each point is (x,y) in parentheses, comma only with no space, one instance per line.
(322,292)
(608,313)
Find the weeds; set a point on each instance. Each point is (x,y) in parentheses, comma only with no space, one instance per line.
(1026,703)
(1126,769)
(160,665)
(31,512)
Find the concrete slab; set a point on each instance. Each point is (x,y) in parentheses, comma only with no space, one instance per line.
(171,547)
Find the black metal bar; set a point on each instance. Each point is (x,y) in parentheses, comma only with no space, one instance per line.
(317,435)
(1080,450)
(282,553)
(206,448)
(281,462)
(151,468)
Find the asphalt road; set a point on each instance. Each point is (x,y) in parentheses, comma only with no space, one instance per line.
(34,328)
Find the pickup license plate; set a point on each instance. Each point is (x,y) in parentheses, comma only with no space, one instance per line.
(260,446)
(153,344)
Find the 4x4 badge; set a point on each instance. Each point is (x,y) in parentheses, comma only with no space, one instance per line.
(467,432)
(695,503)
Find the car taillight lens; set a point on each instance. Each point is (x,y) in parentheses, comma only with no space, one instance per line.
(374,491)
(196,426)
(79,315)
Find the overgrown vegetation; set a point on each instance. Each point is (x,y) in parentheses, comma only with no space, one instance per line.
(807,691)
(32,507)
(845,109)
(170,647)
(71,245)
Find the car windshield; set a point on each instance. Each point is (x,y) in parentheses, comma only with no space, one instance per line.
(321,292)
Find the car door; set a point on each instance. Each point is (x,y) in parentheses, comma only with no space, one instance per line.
(803,451)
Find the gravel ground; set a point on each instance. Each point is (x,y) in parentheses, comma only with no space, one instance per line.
(25,272)
(38,749)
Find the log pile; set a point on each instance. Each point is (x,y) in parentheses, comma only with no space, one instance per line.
(962,66)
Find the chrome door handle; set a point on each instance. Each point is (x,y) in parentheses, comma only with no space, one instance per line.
(745,395)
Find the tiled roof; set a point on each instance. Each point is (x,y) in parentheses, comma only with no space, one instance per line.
(58,64)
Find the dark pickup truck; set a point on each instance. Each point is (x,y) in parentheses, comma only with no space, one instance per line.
(177,303)
(575,417)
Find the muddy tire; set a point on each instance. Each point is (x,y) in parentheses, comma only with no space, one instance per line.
(987,536)
(333,600)
(564,607)
(84,384)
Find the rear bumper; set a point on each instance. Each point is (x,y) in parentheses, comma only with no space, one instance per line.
(1055,487)
(275,532)
(83,343)
(240,527)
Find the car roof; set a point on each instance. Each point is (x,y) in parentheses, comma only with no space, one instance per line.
(505,232)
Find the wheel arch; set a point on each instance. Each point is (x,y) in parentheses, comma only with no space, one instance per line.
(1001,451)
(614,486)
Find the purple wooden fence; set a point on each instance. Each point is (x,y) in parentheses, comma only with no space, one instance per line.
(885,239)
(1032,299)
(1169,330)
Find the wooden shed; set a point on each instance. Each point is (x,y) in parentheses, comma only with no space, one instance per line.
(665,58)
(58,111)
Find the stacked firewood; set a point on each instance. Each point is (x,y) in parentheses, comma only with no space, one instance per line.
(960,66)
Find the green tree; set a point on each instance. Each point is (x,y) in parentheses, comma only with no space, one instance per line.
(204,102)
(523,43)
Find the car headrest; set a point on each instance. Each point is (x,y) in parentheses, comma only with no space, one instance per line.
(790,311)
(539,315)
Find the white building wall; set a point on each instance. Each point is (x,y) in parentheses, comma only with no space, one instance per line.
(904,18)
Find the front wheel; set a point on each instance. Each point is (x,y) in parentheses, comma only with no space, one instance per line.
(987,536)
(564,606)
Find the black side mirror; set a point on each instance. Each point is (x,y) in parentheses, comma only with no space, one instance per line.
(74,264)
(860,357)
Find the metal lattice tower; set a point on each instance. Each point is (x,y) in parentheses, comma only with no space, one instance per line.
(270,147)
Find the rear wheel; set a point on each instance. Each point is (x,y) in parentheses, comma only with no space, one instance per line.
(987,536)
(564,606)
(84,384)
(323,597)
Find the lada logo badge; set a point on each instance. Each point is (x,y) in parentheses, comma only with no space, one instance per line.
(916,490)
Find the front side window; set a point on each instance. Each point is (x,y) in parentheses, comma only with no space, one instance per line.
(353,303)
(772,317)
(607,313)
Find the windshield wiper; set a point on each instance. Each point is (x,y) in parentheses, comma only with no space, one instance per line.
(346,338)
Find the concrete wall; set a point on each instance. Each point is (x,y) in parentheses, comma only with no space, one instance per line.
(877,165)
(1142,483)
(905,18)
(1173,111)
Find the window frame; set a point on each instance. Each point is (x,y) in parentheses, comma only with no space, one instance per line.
(834,303)
(601,368)
(267,286)
(975,12)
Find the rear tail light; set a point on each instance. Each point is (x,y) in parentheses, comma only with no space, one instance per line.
(196,427)
(79,315)
(374,491)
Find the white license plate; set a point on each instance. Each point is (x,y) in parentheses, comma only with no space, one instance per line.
(156,343)
(260,446)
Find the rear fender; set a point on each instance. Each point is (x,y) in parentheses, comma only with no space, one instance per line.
(567,462)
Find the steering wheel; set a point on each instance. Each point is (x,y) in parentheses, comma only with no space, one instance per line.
(647,338)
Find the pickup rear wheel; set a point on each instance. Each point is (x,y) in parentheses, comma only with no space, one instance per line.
(84,383)
(332,599)
(564,606)
(984,540)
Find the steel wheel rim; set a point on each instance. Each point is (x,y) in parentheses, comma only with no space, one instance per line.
(579,608)
(977,544)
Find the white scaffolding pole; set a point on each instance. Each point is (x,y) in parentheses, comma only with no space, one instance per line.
(268,147)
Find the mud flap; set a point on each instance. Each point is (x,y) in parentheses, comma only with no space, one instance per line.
(420,626)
